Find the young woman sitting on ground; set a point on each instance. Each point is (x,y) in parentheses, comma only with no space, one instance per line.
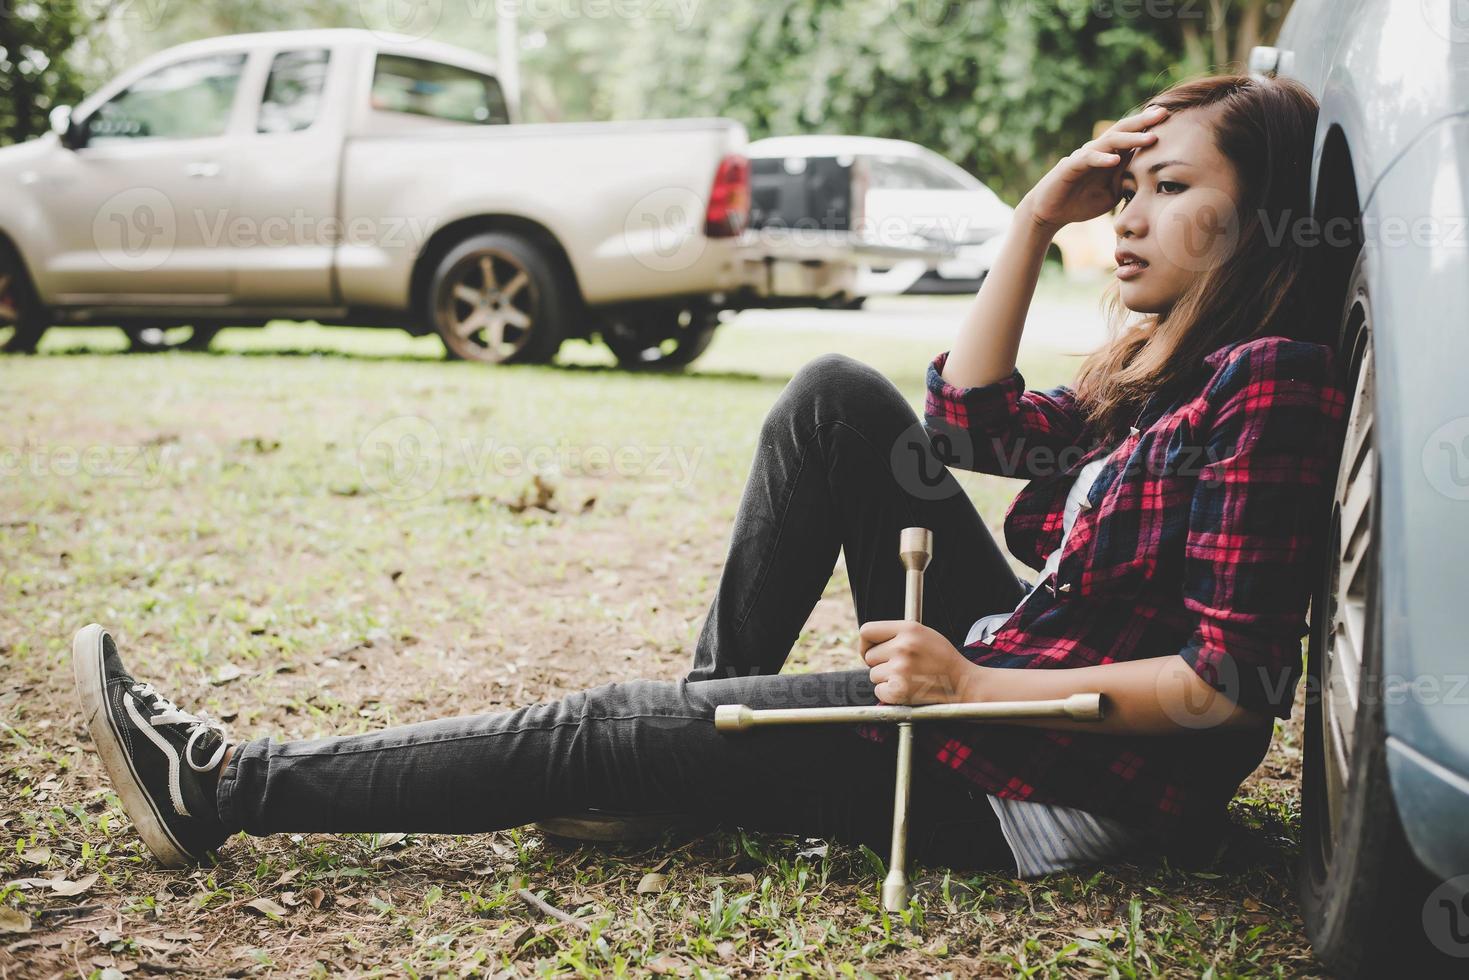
(1176,502)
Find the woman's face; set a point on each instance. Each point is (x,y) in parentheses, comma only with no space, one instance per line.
(1177,212)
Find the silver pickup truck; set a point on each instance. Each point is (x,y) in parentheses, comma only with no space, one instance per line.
(348,178)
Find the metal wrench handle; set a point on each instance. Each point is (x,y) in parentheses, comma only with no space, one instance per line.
(915,548)
(1080,707)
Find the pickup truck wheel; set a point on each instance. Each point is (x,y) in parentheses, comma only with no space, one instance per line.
(497,298)
(153,340)
(659,337)
(19,311)
(1363,893)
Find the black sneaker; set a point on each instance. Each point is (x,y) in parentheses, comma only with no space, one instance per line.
(141,737)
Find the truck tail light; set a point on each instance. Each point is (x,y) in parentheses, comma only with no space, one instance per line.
(729,199)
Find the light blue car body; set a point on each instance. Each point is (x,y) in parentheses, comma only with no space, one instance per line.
(1392,78)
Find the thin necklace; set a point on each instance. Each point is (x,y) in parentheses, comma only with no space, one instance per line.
(1111,447)
(1134,426)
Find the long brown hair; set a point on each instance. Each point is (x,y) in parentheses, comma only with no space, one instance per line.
(1265,127)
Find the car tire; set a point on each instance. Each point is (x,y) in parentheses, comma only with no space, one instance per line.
(498,298)
(1362,891)
(659,337)
(19,308)
(153,340)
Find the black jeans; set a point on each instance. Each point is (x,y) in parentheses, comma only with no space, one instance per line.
(843,464)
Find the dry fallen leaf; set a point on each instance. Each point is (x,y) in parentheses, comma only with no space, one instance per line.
(24,883)
(667,964)
(63,887)
(315,896)
(652,882)
(37,856)
(266,907)
(226,674)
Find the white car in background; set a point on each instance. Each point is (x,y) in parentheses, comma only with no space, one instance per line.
(893,191)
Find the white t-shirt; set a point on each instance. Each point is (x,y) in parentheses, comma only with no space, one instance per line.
(986,626)
(1046,837)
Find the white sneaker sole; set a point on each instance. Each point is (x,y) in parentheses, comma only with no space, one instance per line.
(86,666)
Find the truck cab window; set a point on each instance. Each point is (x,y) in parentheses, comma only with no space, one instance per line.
(293,91)
(430,88)
(186,100)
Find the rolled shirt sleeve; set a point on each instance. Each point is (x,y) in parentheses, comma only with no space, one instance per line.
(1001,428)
(1258,518)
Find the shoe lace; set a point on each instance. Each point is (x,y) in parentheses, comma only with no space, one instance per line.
(165,712)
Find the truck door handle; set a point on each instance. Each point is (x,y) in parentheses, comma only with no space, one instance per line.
(201,168)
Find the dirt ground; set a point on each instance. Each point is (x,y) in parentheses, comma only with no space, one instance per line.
(228,518)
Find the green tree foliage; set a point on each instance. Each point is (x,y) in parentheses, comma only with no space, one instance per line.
(1002,87)
(36,71)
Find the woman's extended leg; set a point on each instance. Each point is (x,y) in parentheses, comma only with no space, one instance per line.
(624,746)
(843,464)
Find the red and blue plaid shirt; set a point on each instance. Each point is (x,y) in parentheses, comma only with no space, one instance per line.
(1200,538)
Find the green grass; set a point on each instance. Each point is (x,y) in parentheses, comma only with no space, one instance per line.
(238,510)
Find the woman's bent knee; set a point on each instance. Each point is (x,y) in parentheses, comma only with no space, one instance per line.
(836,368)
(835,386)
